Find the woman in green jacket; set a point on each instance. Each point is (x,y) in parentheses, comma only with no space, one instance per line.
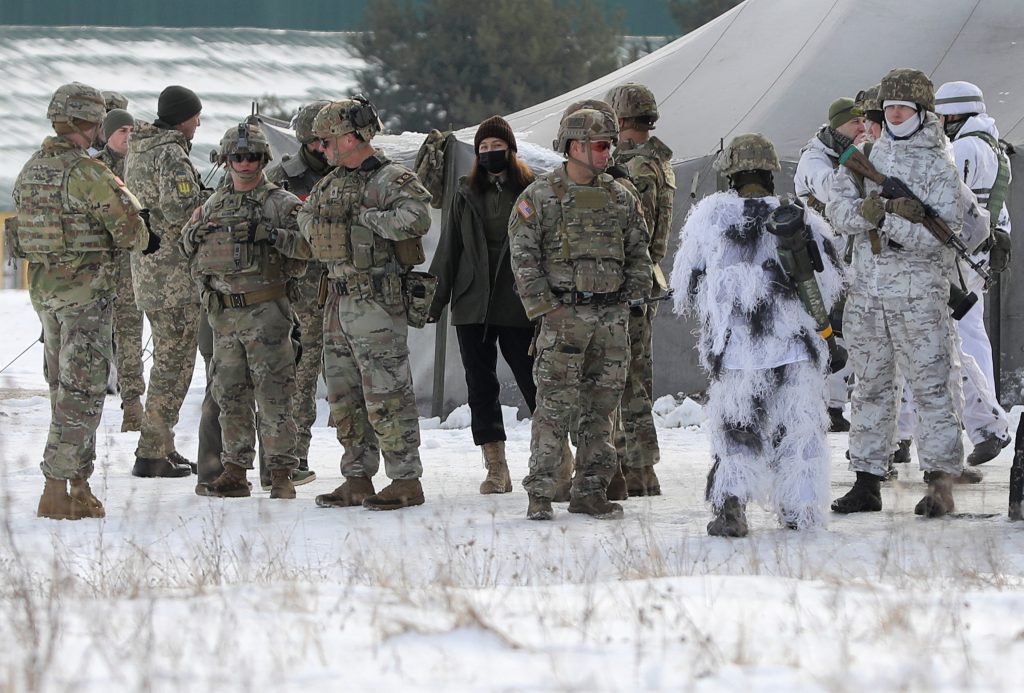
(475,276)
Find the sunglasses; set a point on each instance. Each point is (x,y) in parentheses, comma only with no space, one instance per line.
(246,157)
(601,146)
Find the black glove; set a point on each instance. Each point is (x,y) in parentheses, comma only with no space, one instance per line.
(837,355)
(296,339)
(617,171)
(262,234)
(154,243)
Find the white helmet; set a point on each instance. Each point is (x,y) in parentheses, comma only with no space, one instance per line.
(956,98)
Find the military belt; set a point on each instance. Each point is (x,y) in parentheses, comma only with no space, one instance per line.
(341,287)
(337,288)
(585,298)
(250,298)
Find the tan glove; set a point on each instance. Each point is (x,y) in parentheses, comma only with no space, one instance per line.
(872,208)
(911,210)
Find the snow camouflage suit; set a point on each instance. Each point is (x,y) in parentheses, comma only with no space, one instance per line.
(303,292)
(765,362)
(351,219)
(253,361)
(650,169)
(896,315)
(159,172)
(567,238)
(72,285)
(127,316)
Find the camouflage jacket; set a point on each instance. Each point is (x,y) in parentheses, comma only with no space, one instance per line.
(381,196)
(300,171)
(90,198)
(159,172)
(911,262)
(113,160)
(565,237)
(270,209)
(650,167)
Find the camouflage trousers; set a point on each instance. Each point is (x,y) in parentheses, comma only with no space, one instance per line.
(581,358)
(304,297)
(636,440)
(127,331)
(254,366)
(912,337)
(369,387)
(174,358)
(76,360)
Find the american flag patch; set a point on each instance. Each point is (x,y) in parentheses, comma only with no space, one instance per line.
(524,209)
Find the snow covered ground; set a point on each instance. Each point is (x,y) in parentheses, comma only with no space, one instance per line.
(176,592)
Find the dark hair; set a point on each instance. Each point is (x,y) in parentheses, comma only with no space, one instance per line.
(519,174)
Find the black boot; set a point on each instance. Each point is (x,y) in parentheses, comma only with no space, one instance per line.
(837,423)
(938,500)
(902,454)
(865,496)
(730,519)
(986,450)
(150,467)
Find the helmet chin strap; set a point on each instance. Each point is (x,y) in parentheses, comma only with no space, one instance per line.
(589,163)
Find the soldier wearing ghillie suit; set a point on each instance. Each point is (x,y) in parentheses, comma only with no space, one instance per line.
(241,242)
(299,174)
(364,221)
(896,318)
(117,127)
(578,245)
(649,163)
(746,268)
(159,172)
(72,214)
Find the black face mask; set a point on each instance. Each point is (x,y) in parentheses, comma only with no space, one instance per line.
(494,161)
(952,127)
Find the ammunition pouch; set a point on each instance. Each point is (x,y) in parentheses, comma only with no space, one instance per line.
(14,251)
(418,290)
(999,253)
(409,252)
(329,233)
(220,254)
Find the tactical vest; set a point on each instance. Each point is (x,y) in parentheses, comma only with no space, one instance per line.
(666,198)
(993,198)
(222,254)
(590,235)
(48,224)
(337,236)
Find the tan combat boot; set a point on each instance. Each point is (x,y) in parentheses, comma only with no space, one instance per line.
(353,492)
(642,481)
(56,504)
(563,475)
(281,485)
(539,508)
(230,484)
(132,414)
(617,485)
(82,494)
(938,500)
(498,479)
(400,493)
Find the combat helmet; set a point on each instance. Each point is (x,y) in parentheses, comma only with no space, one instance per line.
(906,84)
(348,115)
(867,99)
(302,123)
(959,98)
(114,99)
(748,152)
(76,100)
(633,100)
(586,123)
(245,138)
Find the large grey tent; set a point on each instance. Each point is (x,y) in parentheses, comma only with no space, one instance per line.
(773,66)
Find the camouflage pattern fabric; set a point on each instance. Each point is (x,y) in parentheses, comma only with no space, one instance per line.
(72,293)
(113,161)
(159,172)
(563,238)
(747,152)
(366,357)
(650,169)
(254,367)
(896,315)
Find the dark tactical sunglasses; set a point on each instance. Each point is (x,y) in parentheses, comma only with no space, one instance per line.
(248,156)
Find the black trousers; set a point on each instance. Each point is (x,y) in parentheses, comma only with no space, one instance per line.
(479,347)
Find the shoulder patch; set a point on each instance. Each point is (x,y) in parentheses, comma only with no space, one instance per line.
(184,185)
(525,209)
(403,179)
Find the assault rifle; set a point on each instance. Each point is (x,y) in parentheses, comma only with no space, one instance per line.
(893,188)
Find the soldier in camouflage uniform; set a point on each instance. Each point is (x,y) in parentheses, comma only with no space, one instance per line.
(159,171)
(649,163)
(72,213)
(117,127)
(361,219)
(896,317)
(299,174)
(578,245)
(241,242)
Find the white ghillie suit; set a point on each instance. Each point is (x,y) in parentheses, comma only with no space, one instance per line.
(760,349)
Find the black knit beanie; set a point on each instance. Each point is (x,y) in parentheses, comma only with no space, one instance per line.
(177,104)
(495,126)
